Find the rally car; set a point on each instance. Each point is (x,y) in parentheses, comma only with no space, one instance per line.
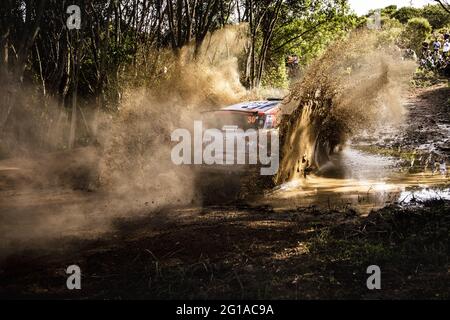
(222,183)
(247,115)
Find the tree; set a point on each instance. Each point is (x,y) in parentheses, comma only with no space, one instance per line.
(20,25)
(436,15)
(123,41)
(389,10)
(416,32)
(406,13)
(278,28)
(307,31)
(262,18)
(444,4)
(193,19)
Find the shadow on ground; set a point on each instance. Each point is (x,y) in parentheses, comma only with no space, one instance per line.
(246,252)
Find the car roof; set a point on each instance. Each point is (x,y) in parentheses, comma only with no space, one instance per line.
(253,106)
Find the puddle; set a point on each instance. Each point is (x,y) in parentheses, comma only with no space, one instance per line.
(359,180)
(425,194)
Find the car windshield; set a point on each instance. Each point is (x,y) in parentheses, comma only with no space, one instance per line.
(226,120)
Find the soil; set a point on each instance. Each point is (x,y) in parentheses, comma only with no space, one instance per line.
(237,250)
(427,125)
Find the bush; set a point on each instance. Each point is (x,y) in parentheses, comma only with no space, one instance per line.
(424,78)
(436,15)
(416,32)
(406,13)
(390,33)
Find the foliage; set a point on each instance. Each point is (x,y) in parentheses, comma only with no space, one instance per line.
(405,14)
(307,33)
(276,75)
(436,15)
(391,31)
(417,30)
(425,78)
(389,10)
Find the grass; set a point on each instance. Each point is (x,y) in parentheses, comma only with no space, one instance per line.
(410,245)
(258,254)
(425,78)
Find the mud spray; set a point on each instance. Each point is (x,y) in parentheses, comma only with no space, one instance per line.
(357,84)
(130,170)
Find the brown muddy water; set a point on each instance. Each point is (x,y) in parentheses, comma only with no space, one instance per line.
(362,181)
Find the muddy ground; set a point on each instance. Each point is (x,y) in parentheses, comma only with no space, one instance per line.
(426,129)
(234,251)
(249,253)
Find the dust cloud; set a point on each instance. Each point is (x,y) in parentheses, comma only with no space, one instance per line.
(137,146)
(356,85)
(129,173)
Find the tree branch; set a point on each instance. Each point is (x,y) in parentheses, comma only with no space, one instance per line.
(444,6)
(301,35)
